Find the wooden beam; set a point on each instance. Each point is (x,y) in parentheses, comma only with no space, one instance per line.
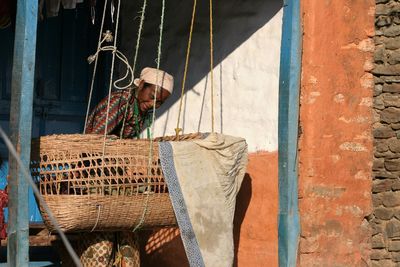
(23,73)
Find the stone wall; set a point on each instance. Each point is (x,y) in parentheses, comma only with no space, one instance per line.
(386,130)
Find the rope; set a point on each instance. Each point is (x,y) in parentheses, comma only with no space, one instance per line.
(177,129)
(109,87)
(120,56)
(98,217)
(95,66)
(139,35)
(212,65)
(152,121)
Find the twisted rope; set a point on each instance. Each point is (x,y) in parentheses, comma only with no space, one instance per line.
(141,221)
(212,65)
(177,129)
(95,66)
(139,36)
(110,86)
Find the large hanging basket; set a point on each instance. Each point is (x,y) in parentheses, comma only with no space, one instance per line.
(89,191)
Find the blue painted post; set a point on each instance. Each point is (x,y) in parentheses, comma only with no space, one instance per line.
(289,87)
(20,130)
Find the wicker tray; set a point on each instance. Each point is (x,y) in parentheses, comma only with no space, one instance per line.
(87,190)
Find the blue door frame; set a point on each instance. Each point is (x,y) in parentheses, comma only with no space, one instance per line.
(23,73)
(288,124)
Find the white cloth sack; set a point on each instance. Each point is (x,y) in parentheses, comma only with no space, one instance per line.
(208,174)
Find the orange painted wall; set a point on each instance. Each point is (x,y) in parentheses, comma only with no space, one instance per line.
(335,152)
(255,224)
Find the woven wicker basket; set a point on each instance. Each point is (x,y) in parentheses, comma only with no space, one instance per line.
(88,191)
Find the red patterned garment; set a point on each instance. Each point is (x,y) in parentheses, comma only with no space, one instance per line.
(3,204)
(119,100)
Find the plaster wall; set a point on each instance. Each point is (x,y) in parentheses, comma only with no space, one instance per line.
(247,40)
(247,50)
(335,146)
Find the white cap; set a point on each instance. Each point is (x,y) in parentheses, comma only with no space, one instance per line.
(156,77)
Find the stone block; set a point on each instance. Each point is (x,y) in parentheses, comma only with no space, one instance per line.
(383,175)
(381,1)
(382,9)
(384,132)
(382,263)
(393,7)
(379,186)
(383,155)
(393,156)
(376,118)
(396,256)
(397,213)
(381,145)
(377,228)
(378,102)
(390,115)
(396,184)
(388,43)
(379,254)
(378,81)
(386,69)
(393,228)
(392,164)
(378,241)
(392,31)
(391,199)
(390,100)
(394,246)
(391,88)
(392,43)
(379,55)
(394,145)
(393,57)
(390,79)
(379,41)
(395,126)
(384,214)
(388,8)
(378,164)
(376,200)
(383,20)
(378,89)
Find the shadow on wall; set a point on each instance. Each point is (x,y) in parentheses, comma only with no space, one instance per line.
(164,247)
(234,22)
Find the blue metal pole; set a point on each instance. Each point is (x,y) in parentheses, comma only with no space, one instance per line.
(20,130)
(289,88)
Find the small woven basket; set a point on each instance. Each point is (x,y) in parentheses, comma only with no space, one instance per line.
(89,191)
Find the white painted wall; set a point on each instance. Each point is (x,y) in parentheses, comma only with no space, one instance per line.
(246,73)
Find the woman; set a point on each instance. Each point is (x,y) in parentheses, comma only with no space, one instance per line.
(127,114)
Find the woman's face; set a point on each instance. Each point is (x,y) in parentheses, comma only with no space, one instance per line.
(147,94)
